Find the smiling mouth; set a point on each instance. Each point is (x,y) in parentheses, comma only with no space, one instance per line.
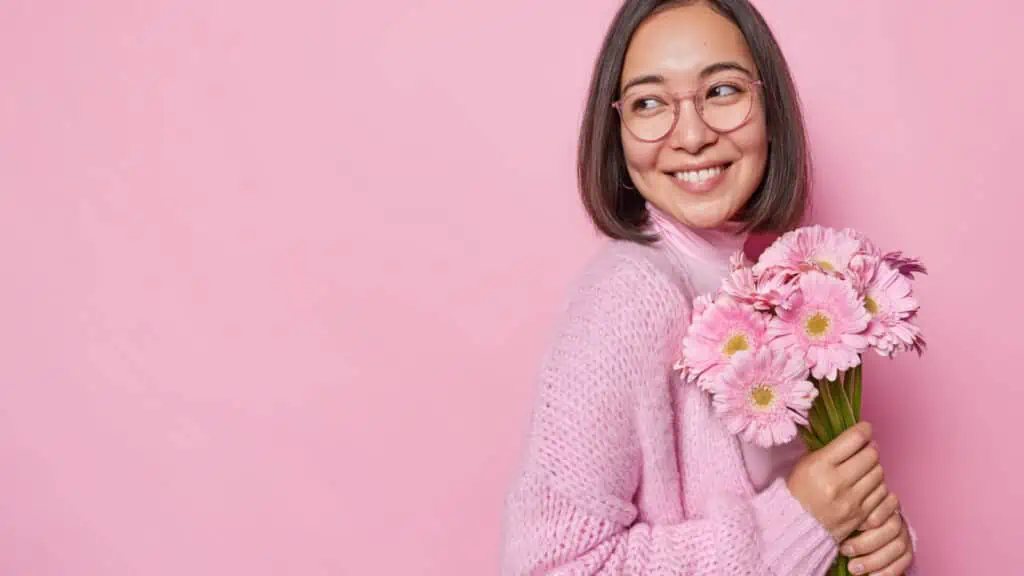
(702,175)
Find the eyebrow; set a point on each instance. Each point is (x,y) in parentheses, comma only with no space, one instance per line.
(722,67)
(707,71)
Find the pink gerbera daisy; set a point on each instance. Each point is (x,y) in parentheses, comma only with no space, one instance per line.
(910,338)
(811,248)
(772,289)
(866,245)
(825,324)
(889,301)
(763,396)
(702,303)
(776,289)
(741,286)
(861,271)
(738,260)
(713,338)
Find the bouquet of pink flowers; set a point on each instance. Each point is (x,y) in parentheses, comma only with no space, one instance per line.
(779,347)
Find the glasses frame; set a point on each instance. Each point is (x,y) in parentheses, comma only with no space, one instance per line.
(677,100)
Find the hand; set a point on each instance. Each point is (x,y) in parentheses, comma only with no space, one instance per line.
(884,546)
(842,483)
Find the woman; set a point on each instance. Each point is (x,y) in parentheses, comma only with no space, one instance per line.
(692,138)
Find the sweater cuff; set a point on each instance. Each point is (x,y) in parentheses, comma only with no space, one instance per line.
(792,539)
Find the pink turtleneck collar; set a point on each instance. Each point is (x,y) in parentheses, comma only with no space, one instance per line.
(713,247)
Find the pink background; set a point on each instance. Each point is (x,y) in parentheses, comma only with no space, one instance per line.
(277,275)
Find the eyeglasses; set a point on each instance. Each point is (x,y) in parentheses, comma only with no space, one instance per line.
(724,104)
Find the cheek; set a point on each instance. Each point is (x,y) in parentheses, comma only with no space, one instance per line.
(640,156)
(753,143)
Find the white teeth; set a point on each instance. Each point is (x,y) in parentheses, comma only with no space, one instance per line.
(699,175)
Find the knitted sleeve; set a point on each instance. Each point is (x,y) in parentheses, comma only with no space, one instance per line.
(571,510)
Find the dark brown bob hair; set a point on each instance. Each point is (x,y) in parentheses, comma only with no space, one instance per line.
(620,212)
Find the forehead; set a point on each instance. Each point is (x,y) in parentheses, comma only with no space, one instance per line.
(681,41)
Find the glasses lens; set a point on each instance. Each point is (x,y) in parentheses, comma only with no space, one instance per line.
(727,103)
(648,116)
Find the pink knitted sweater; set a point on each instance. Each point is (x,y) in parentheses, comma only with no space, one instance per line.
(629,472)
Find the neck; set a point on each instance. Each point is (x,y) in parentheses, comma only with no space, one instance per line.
(712,246)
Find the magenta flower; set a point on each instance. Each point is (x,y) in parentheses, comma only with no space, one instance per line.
(904,265)
(724,329)
(763,395)
(825,324)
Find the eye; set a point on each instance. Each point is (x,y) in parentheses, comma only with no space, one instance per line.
(646,104)
(723,90)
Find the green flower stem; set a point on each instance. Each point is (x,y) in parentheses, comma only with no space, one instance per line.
(842,566)
(848,384)
(845,394)
(830,408)
(843,403)
(855,399)
(810,439)
(819,421)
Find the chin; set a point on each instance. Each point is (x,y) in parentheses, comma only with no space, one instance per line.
(707,224)
(706,217)
(706,210)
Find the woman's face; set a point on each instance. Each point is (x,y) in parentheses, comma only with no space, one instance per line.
(698,175)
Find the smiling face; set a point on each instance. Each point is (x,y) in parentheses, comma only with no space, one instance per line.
(700,176)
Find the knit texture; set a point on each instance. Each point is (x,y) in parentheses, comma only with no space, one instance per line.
(627,470)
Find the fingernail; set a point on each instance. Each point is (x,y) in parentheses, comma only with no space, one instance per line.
(848,550)
(856,568)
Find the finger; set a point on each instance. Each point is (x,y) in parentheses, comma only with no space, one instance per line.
(873,540)
(858,465)
(847,444)
(846,528)
(899,567)
(875,498)
(882,559)
(881,513)
(865,486)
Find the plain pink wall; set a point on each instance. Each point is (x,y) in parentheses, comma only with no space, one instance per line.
(276,276)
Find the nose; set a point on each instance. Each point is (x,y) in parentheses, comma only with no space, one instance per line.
(691,133)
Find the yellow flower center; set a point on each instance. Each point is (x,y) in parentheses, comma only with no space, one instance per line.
(762,396)
(817,325)
(871,305)
(825,265)
(738,343)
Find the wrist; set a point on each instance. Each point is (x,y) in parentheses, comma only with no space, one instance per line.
(793,537)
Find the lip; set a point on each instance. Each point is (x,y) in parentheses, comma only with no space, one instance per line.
(699,188)
(703,165)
